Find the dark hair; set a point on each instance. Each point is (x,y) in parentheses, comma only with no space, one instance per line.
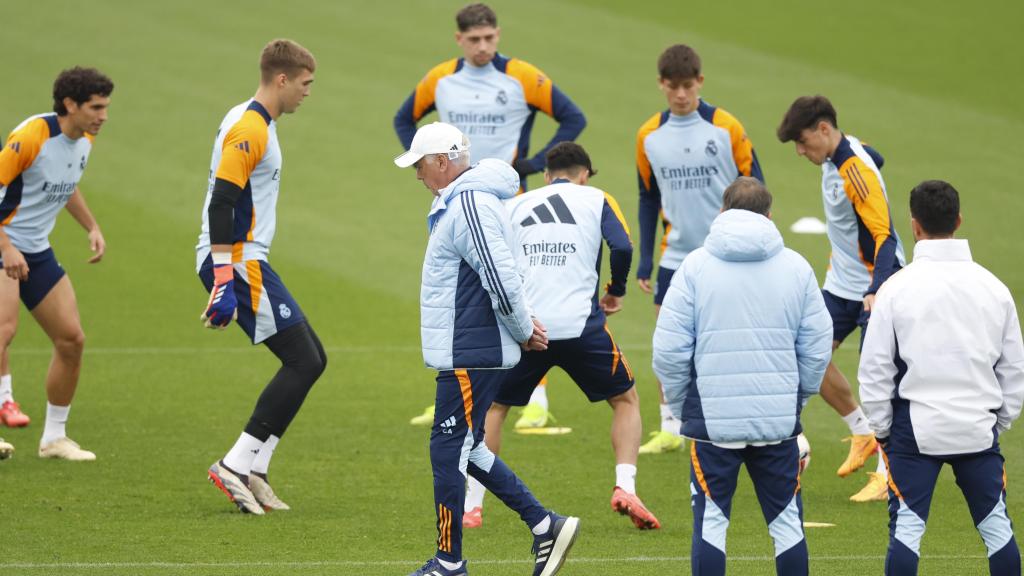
(283,56)
(804,113)
(474,15)
(935,205)
(746,193)
(568,157)
(79,84)
(679,62)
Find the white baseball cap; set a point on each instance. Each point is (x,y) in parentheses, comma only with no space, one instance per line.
(434,138)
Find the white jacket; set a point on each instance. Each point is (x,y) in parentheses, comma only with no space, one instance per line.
(942,369)
(473,311)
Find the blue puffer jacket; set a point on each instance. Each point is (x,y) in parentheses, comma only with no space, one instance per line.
(743,337)
(473,311)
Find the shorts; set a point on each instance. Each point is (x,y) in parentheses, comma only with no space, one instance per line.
(265,307)
(43,274)
(847,315)
(592,360)
(662,283)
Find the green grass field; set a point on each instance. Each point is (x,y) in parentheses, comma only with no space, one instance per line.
(935,88)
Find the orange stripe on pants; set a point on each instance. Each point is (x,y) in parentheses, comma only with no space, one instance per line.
(444,529)
(255,274)
(892,482)
(467,396)
(615,350)
(697,470)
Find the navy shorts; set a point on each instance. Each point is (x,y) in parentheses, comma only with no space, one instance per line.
(43,274)
(662,283)
(847,316)
(265,307)
(593,361)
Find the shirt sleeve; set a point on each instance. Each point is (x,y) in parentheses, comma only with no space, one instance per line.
(16,156)
(650,199)
(420,102)
(616,233)
(1009,370)
(542,94)
(864,189)
(877,371)
(743,153)
(243,148)
(480,240)
(21,150)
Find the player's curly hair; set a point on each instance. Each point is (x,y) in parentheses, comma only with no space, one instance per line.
(79,84)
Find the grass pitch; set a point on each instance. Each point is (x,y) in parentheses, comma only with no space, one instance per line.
(931,86)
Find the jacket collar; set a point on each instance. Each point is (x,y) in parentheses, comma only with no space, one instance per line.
(951,250)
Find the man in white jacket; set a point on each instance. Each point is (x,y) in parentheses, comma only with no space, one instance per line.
(473,321)
(941,377)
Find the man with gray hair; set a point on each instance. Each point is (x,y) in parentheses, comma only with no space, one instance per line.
(474,323)
(741,344)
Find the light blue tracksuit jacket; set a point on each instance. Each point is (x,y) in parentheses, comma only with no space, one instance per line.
(473,311)
(743,337)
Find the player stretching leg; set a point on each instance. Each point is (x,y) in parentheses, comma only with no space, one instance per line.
(865,251)
(559,229)
(40,166)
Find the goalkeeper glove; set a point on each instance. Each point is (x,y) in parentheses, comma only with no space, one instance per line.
(222,307)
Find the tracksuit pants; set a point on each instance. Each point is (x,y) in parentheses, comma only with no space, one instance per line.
(457,449)
(775,472)
(982,479)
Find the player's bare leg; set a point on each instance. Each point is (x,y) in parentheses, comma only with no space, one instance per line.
(837,393)
(58,316)
(668,438)
(10,413)
(626,431)
(475,491)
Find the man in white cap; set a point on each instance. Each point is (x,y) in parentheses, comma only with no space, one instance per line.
(474,323)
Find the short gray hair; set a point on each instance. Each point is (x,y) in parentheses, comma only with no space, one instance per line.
(747,193)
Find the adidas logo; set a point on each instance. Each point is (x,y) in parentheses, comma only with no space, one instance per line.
(16,146)
(544,550)
(447,425)
(544,215)
(243,146)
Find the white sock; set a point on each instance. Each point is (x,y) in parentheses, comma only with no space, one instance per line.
(450,565)
(625,477)
(261,463)
(543,526)
(474,494)
(6,392)
(857,422)
(540,396)
(56,420)
(240,457)
(669,423)
(880,467)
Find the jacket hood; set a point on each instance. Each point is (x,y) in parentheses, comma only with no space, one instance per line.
(743,236)
(488,175)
